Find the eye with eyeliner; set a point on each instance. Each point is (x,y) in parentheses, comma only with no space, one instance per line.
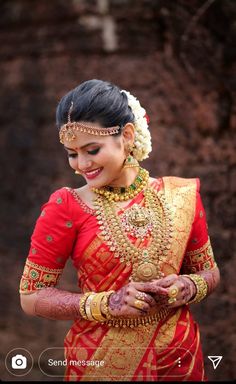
(72,155)
(94,151)
(90,152)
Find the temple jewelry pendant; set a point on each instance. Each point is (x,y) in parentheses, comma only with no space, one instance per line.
(138,221)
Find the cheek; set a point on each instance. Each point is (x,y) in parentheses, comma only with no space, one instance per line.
(72,163)
(115,152)
(112,158)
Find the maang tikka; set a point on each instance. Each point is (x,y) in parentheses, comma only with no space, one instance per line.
(68,130)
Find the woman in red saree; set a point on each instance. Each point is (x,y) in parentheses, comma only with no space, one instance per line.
(140,247)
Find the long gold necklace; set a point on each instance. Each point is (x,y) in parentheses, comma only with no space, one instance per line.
(145,261)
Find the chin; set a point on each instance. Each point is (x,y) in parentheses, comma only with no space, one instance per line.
(95,184)
(98,183)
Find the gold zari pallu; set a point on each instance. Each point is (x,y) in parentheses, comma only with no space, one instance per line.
(138,321)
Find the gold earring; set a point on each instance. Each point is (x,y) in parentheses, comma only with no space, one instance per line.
(78,173)
(130,162)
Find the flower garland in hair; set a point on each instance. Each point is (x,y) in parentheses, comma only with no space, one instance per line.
(142,141)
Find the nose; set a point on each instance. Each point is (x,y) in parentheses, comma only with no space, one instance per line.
(84,163)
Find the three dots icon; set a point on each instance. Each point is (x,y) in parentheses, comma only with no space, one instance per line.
(214,359)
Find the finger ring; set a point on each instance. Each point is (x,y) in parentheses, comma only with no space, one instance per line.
(139,304)
(172,300)
(141,296)
(173,291)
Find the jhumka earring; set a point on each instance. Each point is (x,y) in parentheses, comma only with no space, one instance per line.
(78,173)
(130,161)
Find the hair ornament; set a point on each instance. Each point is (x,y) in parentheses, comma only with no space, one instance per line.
(68,130)
(142,141)
(70,111)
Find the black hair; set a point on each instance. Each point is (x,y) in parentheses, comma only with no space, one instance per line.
(95,101)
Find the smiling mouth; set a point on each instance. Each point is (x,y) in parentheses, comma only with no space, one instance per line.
(92,174)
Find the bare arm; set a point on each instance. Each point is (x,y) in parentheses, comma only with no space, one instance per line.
(56,304)
(52,303)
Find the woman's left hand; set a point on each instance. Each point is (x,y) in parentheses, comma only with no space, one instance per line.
(180,290)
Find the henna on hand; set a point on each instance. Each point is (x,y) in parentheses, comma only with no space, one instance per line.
(188,289)
(159,290)
(116,300)
(161,300)
(123,303)
(56,304)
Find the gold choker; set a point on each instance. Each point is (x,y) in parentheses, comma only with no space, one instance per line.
(125,193)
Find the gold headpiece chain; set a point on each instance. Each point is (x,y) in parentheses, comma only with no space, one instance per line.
(68,130)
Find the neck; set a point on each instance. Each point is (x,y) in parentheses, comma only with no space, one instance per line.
(126,177)
(119,192)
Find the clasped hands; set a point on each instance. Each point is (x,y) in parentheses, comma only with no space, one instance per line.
(135,299)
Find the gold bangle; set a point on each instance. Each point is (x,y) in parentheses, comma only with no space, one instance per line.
(82,305)
(201,286)
(88,307)
(96,306)
(106,310)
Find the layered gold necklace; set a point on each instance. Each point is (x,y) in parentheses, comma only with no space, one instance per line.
(151,223)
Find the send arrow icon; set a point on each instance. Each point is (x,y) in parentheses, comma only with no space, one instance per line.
(215,360)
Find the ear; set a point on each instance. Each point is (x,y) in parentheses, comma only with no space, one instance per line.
(128,134)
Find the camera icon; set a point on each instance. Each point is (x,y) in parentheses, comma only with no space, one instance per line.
(18,362)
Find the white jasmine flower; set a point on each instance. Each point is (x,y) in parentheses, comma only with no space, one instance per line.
(142,141)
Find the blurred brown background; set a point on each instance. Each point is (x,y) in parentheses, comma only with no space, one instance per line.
(178,58)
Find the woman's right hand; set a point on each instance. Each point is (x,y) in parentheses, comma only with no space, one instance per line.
(130,301)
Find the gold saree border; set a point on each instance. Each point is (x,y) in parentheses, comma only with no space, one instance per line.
(181,197)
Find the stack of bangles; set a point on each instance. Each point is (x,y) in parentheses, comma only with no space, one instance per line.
(94,306)
(201,288)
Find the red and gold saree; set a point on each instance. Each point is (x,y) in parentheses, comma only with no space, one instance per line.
(166,350)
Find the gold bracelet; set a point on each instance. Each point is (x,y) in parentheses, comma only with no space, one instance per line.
(82,305)
(201,286)
(88,307)
(96,307)
(106,310)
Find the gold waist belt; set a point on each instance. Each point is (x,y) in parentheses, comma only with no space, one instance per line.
(138,321)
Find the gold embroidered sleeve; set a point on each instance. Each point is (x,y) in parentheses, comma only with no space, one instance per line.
(200,259)
(37,277)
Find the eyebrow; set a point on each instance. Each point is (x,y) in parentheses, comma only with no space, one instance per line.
(83,146)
